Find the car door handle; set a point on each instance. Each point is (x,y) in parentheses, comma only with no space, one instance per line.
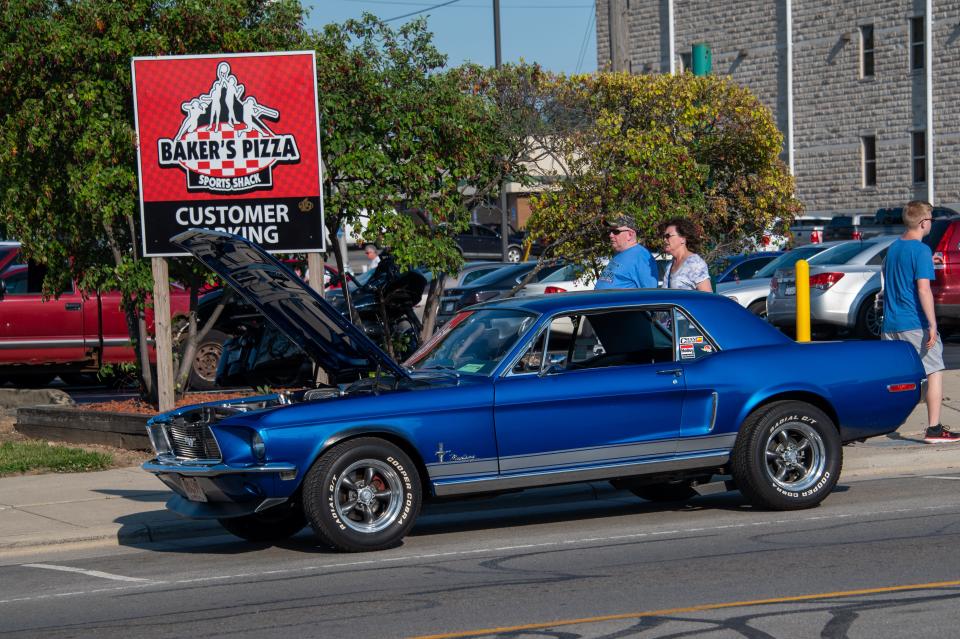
(72,306)
(676,372)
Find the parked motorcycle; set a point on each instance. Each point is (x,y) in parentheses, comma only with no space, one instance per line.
(260,355)
(385,303)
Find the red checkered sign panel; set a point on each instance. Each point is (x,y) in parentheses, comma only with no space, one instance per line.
(229,142)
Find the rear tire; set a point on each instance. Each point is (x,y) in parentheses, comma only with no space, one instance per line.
(514,253)
(869,320)
(273,524)
(759,308)
(788,456)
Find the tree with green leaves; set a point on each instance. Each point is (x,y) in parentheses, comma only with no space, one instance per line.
(660,146)
(405,143)
(68,183)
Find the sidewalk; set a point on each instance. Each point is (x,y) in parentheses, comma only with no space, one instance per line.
(126,506)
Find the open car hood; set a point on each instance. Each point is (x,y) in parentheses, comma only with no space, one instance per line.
(296,310)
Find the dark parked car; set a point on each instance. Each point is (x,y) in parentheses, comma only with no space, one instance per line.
(488,287)
(482,242)
(658,391)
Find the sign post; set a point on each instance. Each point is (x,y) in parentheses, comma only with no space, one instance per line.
(231,143)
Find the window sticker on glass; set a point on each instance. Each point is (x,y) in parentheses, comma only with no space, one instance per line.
(693,343)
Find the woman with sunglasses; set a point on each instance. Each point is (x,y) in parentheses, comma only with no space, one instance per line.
(681,240)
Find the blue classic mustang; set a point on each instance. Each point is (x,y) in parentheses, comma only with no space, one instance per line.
(659,391)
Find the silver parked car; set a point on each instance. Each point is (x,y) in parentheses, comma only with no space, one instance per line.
(752,293)
(844,282)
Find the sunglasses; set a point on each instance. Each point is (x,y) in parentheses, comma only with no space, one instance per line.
(669,235)
(619,231)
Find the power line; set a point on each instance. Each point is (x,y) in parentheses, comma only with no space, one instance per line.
(474,6)
(413,13)
(586,35)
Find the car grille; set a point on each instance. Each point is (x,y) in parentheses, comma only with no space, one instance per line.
(186,437)
(193,440)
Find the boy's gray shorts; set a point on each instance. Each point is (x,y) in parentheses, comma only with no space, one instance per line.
(932,359)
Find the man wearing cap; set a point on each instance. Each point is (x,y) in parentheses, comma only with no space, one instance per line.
(633,266)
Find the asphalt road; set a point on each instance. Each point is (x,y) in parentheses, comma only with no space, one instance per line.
(877,559)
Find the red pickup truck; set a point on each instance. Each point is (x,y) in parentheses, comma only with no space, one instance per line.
(73,334)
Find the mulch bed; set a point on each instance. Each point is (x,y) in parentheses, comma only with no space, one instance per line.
(140,407)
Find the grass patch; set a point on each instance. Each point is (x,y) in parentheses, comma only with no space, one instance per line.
(23,457)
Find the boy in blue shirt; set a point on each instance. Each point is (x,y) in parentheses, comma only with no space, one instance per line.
(908,313)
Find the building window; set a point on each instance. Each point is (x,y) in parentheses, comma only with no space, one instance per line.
(866,51)
(919,154)
(686,62)
(868,150)
(916,43)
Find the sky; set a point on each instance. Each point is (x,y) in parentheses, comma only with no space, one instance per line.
(560,35)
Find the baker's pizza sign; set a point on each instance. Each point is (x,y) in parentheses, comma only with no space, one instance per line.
(229,142)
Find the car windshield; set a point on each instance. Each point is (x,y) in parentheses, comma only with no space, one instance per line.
(787,260)
(841,253)
(475,341)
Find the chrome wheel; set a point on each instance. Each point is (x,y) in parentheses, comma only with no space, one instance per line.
(795,456)
(368,496)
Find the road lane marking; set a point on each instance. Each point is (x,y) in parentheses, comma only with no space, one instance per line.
(670,534)
(953,477)
(89,573)
(687,609)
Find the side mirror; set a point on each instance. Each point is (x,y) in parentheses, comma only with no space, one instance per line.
(556,363)
(3,289)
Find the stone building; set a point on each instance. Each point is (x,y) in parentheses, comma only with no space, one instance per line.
(859,85)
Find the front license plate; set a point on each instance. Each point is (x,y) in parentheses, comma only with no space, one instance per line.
(192,487)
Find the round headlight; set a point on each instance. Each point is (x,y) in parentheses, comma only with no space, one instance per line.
(258,447)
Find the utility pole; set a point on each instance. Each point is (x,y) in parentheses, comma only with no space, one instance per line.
(619,56)
(504,218)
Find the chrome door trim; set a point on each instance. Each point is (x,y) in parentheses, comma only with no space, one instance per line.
(610,471)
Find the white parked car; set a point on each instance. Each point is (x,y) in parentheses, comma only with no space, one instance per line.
(572,277)
(752,293)
(844,282)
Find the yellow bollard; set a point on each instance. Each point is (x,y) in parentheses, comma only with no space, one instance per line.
(803,301)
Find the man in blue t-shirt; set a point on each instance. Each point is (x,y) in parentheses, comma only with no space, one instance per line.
(908,313)
(632,266)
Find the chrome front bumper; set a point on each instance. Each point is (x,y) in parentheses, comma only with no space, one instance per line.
(212,470)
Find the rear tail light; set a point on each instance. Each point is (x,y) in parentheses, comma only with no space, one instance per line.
(774,284)
(816,237)
(857,235)
(823,281)
(554,289)
(765,240)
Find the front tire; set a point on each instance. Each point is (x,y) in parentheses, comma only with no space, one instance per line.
(363,494)
(273,524)
(788,456)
